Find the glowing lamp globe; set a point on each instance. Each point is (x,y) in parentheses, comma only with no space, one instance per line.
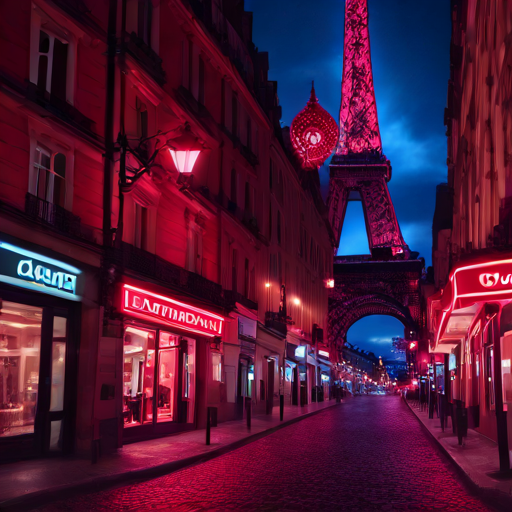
(184,151)
(314,133)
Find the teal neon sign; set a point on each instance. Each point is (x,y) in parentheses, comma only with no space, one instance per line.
(33,271)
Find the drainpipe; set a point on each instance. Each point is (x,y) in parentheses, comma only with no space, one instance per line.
(109,123)
(494,311)
(122,134)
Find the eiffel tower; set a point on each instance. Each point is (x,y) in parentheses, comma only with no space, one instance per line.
(387,281)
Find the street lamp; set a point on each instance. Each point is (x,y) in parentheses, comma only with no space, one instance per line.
(184,150)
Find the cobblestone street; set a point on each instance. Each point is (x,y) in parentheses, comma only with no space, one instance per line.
(370,453)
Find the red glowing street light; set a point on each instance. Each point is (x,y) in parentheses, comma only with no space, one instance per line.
(185,150)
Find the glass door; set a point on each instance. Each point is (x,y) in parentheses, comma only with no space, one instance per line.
(58,376)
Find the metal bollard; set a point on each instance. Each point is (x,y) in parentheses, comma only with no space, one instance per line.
(208,425)
(281,407)
(248,409)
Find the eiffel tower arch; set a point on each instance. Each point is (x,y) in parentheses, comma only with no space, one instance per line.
(386,282)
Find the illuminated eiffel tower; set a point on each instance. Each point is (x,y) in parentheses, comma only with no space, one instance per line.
(385,282)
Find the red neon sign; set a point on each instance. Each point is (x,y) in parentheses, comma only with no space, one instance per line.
(164,310)
(489,281)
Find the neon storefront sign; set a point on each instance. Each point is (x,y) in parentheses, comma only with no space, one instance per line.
(480,282)
(150,306)
(33,271)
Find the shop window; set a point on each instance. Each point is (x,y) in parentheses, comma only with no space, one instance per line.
(49,176)
(138,376)
(52,65)
(216,367)
(489,376)
(20,348)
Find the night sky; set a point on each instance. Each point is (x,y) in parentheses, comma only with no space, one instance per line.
(410,43)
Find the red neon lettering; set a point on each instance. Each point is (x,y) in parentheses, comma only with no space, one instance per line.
(168,311)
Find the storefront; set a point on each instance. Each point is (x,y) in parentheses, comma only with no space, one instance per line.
(324,367)
(472,322)
(169,347)
(40,312)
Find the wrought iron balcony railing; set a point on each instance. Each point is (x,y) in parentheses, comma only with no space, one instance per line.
(59,218)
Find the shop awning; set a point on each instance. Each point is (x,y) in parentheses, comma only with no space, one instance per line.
(453,310)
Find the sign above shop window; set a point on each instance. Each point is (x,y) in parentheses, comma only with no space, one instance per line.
(157,308)
(33,271)
(482,281)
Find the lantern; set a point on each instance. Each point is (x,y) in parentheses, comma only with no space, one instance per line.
(184,151)
(314,133)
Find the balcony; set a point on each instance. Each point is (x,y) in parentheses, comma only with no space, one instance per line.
(52,215)
(233,297)
(145,56)
(276,322)
(231,44)
(60,108)
(154,267)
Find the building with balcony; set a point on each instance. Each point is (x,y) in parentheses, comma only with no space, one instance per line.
(469,316)
(151,212)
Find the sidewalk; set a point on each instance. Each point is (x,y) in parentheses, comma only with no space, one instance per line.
(477,458)
(27,484)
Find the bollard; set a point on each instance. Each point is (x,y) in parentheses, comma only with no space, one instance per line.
(249,412)
(281,407)
(208,425)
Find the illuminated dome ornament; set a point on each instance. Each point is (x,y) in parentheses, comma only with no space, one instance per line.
(314,133)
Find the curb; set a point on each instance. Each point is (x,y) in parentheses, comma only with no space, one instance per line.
(44,497)
(493,497)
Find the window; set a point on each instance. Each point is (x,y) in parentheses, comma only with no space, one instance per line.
(247,202)
(195,248)
(234,270)
(52,65)
(141,227)
(270,222)
(142,118)
(246,279)
(249,134)
(234,186)
(144,19)
(279,227)
(200,95)
(271,175)
(139,17)
(234,116)
(50,176)
(216,367)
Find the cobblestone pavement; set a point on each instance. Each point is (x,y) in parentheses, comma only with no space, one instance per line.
(369,453)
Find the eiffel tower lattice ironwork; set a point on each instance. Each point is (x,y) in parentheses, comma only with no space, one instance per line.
(385,282)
